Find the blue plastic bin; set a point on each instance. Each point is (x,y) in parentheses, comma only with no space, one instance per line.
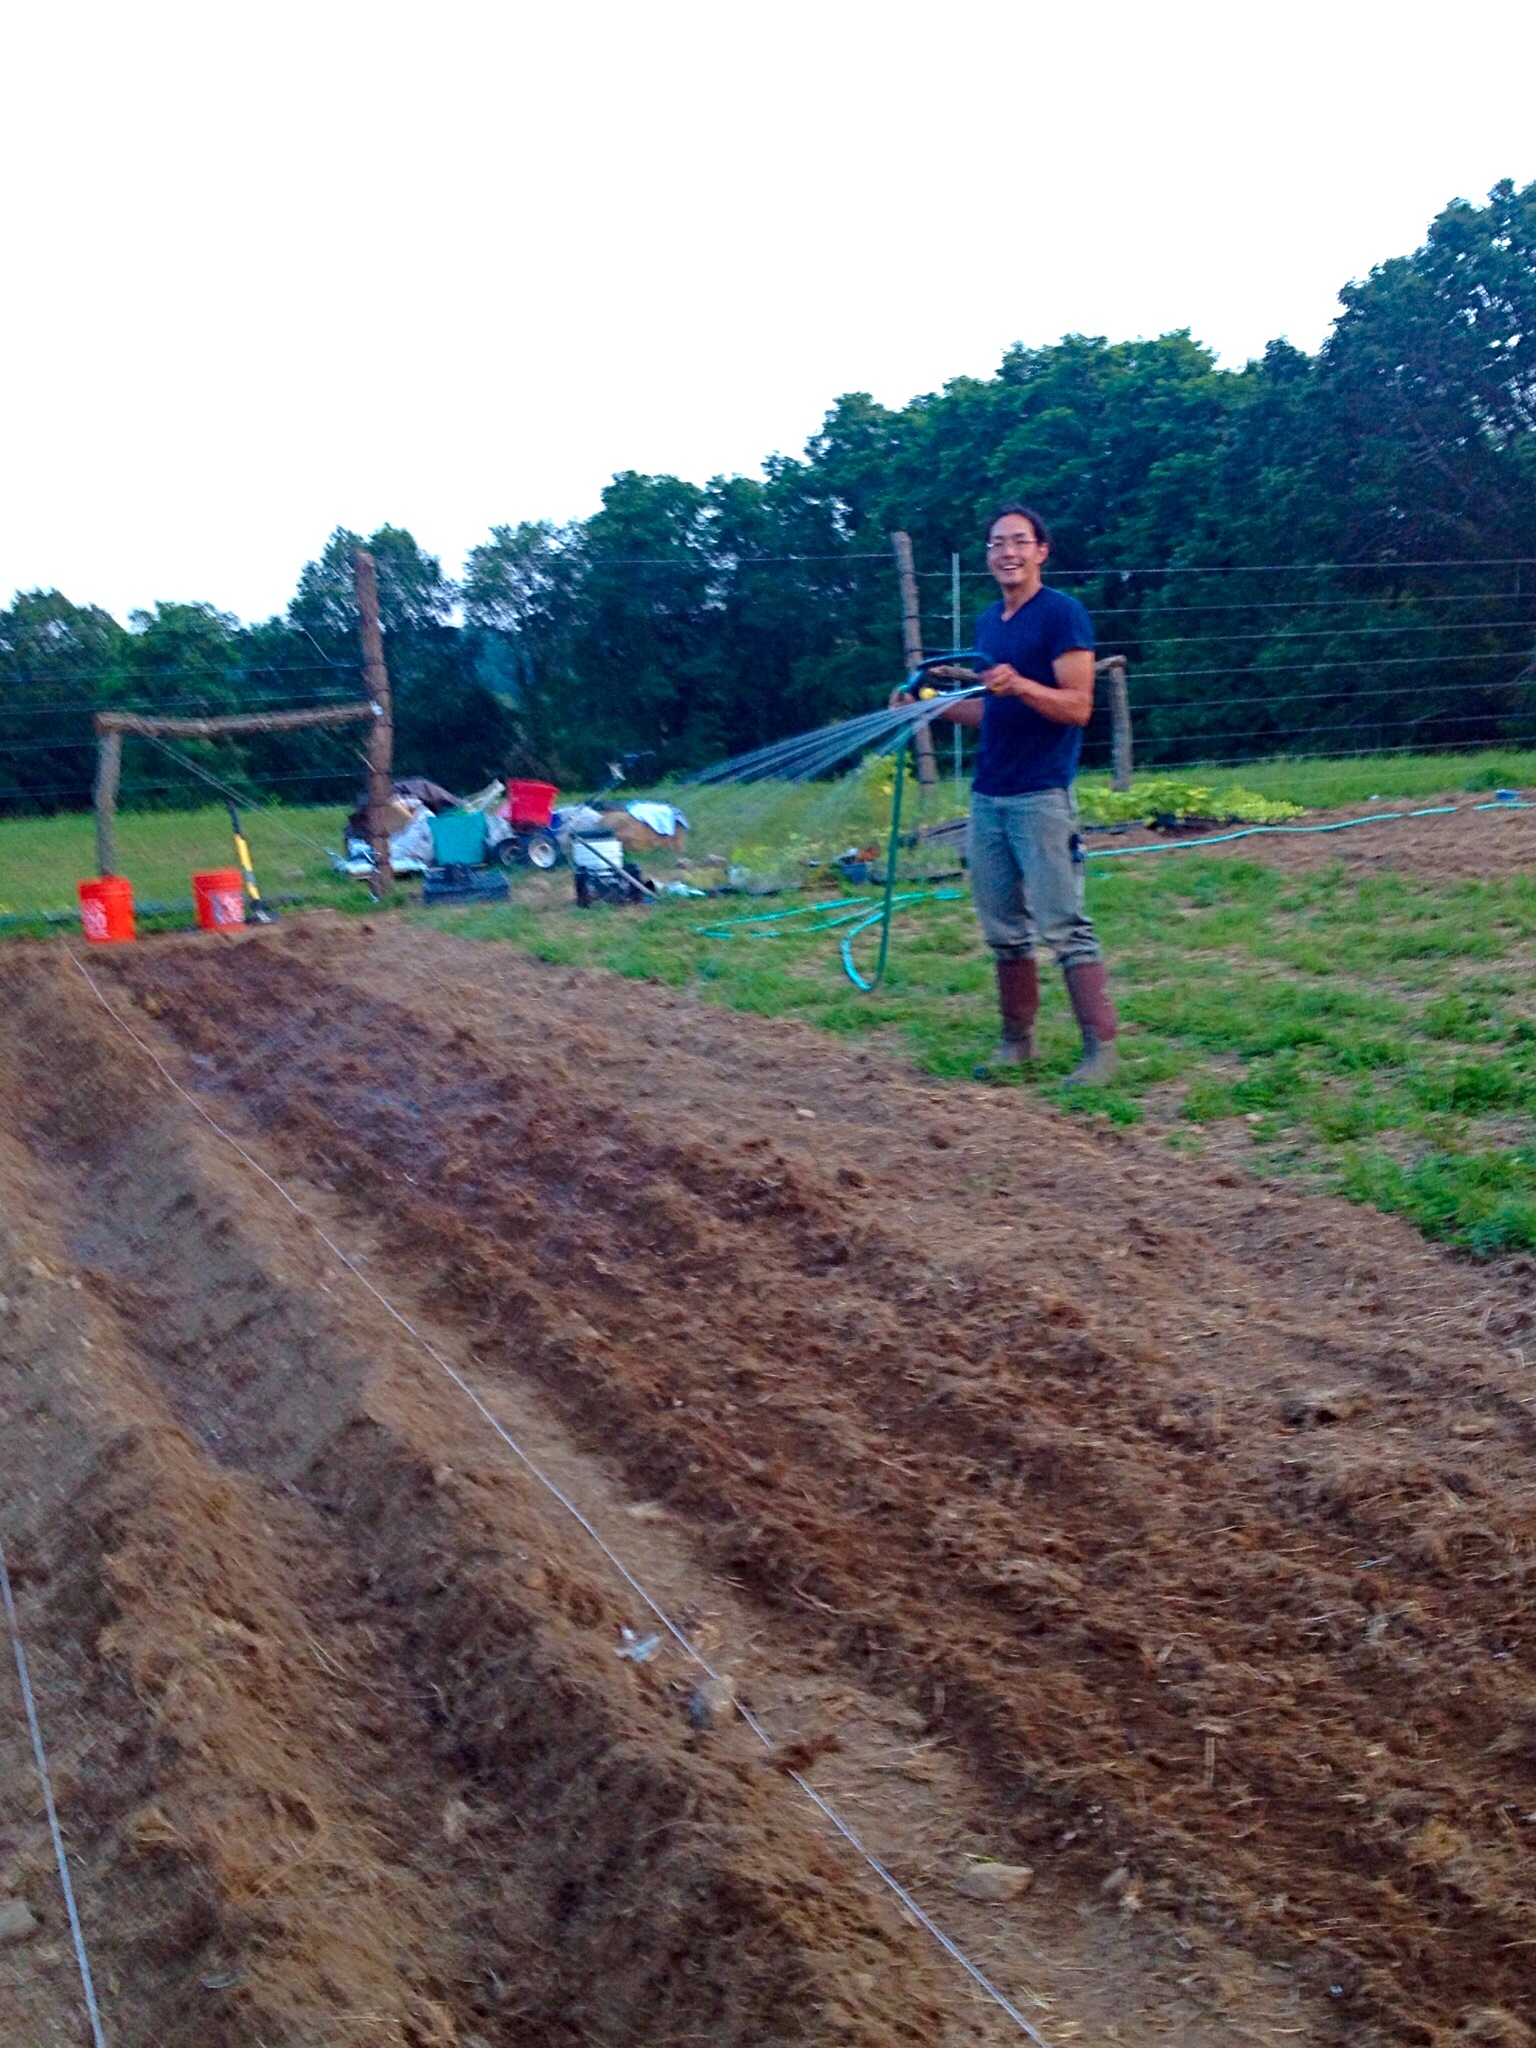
(458,839)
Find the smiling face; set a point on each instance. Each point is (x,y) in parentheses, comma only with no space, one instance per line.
(1015,555)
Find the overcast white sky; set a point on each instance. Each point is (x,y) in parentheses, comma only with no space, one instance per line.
(278,268)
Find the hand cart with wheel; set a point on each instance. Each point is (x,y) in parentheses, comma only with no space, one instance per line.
(528,811)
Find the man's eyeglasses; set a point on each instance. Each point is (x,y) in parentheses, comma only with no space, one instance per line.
(1011,540)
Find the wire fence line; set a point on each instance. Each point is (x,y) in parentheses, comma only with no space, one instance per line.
(1226,669)
(1234,662)
(1364,568)
(1193,735)
(1358,632)
(242,788)
(113,688)
(1225,662)
(1335,604)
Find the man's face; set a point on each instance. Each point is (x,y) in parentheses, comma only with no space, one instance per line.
(1013,554)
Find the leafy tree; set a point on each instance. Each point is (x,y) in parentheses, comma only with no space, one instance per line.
(414,594)
(448,723)
(519,595)
(1434,365)
(59,663)
(1288,554)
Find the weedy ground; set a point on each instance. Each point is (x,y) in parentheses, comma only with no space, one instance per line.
(1376,1035)
(41,859)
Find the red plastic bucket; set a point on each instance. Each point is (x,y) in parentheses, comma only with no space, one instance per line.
(530,803)
(106,910)
(220,899)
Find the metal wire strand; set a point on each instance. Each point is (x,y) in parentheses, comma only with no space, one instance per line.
(40,1756)
(227,790)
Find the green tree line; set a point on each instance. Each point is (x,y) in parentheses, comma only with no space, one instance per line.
(1315,553)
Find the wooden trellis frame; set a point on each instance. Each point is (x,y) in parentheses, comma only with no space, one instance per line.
(112,727)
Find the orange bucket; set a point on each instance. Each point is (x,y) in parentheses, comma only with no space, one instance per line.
(220,899)
(106,910)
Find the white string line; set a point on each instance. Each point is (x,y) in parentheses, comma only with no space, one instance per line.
(41,1756)
(893,1884)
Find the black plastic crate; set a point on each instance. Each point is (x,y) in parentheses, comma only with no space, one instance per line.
(456,884)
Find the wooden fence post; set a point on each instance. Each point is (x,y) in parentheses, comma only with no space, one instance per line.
(912,649)
(381,735)
(109,762)
(1113,669)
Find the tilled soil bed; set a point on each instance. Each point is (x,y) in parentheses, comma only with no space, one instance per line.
(1432,839)
(1049,1501)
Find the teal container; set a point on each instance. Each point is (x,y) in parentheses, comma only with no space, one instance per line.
(458,838)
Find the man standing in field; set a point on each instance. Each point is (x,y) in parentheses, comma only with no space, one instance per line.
(1025,854)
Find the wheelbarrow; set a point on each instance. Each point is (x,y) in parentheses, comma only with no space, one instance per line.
(527,813)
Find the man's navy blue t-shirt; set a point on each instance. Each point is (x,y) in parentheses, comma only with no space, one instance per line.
(1021,749)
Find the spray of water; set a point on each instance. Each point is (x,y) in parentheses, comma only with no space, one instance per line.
(810,755)
(776,813)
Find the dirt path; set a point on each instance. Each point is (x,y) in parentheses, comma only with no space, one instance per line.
(1170,1535)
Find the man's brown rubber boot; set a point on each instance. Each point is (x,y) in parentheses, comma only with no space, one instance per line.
(1088,987)
(1018,996)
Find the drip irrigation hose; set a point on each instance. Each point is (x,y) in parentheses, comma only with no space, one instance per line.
(1339,825)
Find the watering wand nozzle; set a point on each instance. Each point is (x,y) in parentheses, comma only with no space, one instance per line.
(946,669)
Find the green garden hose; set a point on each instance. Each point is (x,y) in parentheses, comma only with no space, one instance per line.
(854,918)
(882,916)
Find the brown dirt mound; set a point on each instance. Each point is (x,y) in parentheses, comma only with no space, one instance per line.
(1194,1518)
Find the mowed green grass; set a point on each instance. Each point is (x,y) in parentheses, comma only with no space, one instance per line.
(41,859)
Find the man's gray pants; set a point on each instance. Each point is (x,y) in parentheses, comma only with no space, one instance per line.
(1027,876)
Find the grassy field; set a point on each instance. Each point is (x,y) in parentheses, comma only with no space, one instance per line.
(41,859)
(762,827)
(1377,1037)
(769,828)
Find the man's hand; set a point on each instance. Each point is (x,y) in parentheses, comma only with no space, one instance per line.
(1004,681)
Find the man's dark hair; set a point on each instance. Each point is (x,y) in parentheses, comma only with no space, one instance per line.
(1037,525)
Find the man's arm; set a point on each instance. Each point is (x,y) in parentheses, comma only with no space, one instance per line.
(1069,703)
(967,712)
